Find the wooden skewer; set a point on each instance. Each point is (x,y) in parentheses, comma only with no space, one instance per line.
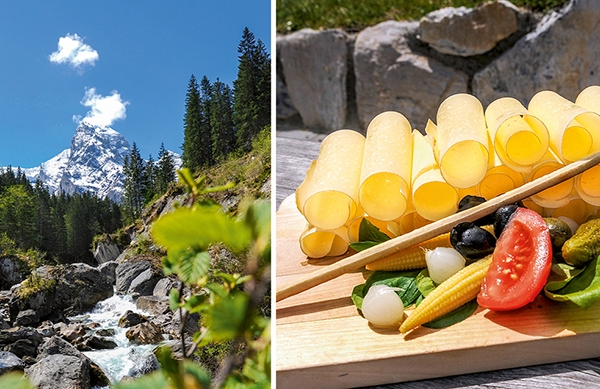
(429,231)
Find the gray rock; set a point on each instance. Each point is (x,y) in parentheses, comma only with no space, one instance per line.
(157,305)
(126,272)
(105,332)
(60,371)
(163,286)
(560,54)
(106,252)
(146,365)
(469,31)
(12,271)
(74,331)
(314,64)
(144,283)
(13,334)
(145,333)
(77,287)
(390,76)
(23,348)
(100,343)
(46,329)
(284,107)
(28,317)
(109,270)
(10,362)
(58,346)
(130,319)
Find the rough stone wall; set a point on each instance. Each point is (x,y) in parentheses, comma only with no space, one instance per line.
(328,80)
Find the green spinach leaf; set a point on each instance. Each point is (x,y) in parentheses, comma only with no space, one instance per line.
(582,289)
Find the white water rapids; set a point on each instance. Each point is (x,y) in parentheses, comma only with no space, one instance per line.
(115,363)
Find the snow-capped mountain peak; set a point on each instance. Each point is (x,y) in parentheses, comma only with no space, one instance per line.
(93,163)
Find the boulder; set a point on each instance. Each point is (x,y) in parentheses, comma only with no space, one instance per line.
(560,54)
(130,319)
(21,341)
(145,333)
(390,76)
(109,270)
(74,331)
(72,288)
(106,251)
(284,107)
(164,285)
(58,346)
(314,65)
(469,31)
(144,283)
(100,343)
(60,371)
(12,271)
(146,365)
(157,305)
(46,329)
(28,317)
(127,272)
(10,362)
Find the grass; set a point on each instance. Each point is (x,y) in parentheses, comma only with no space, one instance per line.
(354,15)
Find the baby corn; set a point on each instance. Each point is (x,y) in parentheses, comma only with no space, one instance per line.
(413,257)
(456,291)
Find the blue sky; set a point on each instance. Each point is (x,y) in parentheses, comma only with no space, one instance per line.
(122,63)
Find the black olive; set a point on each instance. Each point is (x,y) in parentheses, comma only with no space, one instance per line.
(471,201)
(472,241)
(502,216)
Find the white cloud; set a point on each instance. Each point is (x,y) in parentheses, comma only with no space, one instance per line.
(73,51)
(104,109)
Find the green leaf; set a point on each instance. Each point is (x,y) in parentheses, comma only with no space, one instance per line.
(367,232)
(196,302)
(174,302)
(582,289)
(360,246)
(454,317)
(424,283)
(15,380)
(227,317)
(155,380)
(193,266)
(201,375)
(198,228)
(358,295)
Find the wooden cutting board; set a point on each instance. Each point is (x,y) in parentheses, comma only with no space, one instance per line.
(321,340)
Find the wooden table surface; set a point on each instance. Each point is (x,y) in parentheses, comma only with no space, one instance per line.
(293,156)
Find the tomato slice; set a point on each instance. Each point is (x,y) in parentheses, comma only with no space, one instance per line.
(521,263)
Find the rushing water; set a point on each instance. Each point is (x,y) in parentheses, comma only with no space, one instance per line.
(116,362)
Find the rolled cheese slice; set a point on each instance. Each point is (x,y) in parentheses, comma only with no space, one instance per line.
(332,198)
(557,195)
(432,197)
(304,187)
(588,182)
(520,139)
(587,185)
(386,166)
(576,208)
(319,243)
(499,179)
(574,131)
(462,143)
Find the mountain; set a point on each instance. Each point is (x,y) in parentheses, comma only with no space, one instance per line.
(93,163)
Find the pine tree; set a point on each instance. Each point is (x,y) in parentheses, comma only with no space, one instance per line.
(165,170)
(205,128)
(252,90)
(149,181)
(192,138)
(221,121)
(133,196)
